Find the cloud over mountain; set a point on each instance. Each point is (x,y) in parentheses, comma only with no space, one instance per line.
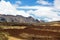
(47,13)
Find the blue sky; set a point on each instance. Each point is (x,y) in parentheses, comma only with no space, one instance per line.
(47,10)
(30,2)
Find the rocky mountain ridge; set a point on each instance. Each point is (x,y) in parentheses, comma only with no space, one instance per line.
(18,19)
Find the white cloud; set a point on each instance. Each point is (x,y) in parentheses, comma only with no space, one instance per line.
(57,4)
(47,11)
(43,11)
(7,8)
(17,3)
(43,2)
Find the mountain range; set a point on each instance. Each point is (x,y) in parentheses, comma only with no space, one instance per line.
(18,19)
(21,20)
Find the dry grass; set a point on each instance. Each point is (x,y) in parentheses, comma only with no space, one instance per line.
(31,29)
(12,27)
(13,38)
